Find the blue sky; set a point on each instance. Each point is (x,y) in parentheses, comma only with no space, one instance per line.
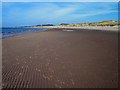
(29,13)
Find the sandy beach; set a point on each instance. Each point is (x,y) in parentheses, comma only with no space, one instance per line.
(98,28)
(58,58)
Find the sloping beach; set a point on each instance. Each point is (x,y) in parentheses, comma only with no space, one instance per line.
(58,58)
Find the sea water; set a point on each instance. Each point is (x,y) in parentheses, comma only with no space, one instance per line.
(9,32)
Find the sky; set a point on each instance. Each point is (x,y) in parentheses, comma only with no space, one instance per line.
(29,13)
(60,0)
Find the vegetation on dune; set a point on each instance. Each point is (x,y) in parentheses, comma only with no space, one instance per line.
(102,23)
(47,25)
(64,24)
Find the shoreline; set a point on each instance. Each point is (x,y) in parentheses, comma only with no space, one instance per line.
(102,28)
(106,29)
(21,32)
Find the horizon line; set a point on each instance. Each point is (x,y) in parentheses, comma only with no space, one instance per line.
(60,23)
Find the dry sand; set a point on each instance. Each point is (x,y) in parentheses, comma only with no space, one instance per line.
(103,28)
(61,59)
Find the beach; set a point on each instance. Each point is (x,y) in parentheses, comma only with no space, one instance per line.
(99,28)
(61,58)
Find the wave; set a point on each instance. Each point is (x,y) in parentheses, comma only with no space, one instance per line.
(9,32)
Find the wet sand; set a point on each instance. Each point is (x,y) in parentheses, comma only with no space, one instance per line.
(61,59)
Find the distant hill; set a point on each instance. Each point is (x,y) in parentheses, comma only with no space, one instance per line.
(102,23)
(40,25)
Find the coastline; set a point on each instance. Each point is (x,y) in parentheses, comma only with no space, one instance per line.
(11,32)
(102,28)
(63,28)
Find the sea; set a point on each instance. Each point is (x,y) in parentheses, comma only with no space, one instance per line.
(10,32)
